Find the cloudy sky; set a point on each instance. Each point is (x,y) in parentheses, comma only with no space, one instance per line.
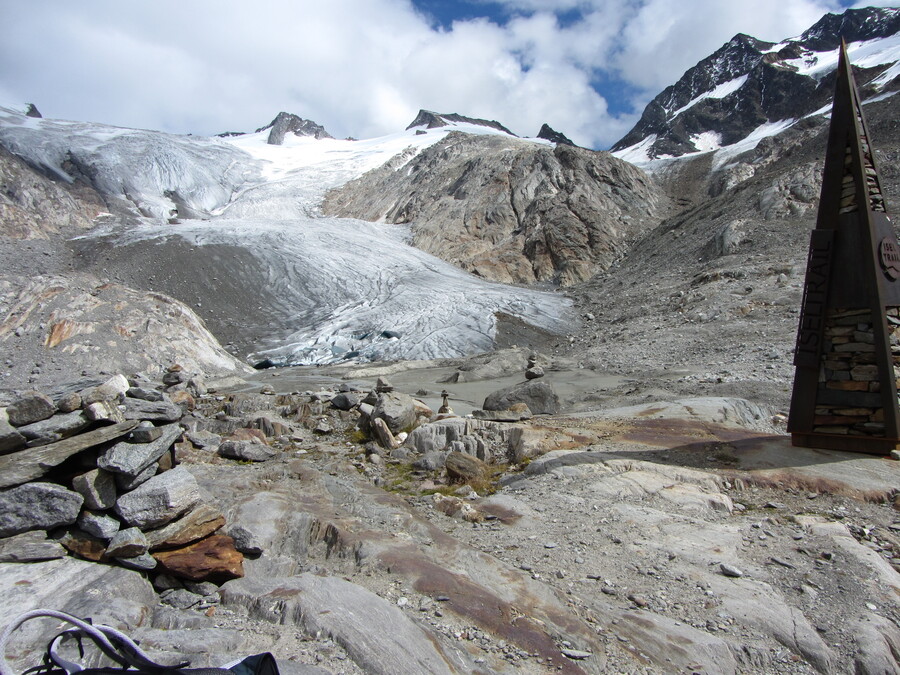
(363,68)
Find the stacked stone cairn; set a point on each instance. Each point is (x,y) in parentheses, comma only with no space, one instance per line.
(93,474)
(534,371)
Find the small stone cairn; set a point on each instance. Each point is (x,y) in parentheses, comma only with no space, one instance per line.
(94,474)
(445,408)
(534,371)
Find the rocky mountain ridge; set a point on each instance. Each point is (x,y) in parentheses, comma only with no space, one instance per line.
(509,210)
(285,123)
(549,134)
(433,120)
(748,84)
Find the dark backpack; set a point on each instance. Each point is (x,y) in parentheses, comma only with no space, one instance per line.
(121,649)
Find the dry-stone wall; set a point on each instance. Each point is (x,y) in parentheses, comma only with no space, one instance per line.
(94,474)
(849,400)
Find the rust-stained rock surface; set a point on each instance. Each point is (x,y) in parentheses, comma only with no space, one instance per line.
(76,323)
(211,559)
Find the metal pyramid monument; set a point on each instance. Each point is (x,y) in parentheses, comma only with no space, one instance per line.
(845,387)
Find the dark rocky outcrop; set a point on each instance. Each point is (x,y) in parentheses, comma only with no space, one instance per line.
(433,120)
(33,205)
(549,134)
(285,123)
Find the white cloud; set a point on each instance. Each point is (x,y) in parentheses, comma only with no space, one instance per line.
(363,67)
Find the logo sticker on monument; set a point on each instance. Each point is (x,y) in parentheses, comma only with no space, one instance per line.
(889,257)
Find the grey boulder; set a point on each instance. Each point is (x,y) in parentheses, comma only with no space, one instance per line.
(10,439)
(155,411)
(69,402)
(146,433)
(431,461)
(160,500)
(100,525)
(30,547)
(127,543)
(54,428)
(145,394)
(248,451)
(104,411)
(112,390)
(98,487)
(30,407)
(144,562)
(538,395)
(245,541)
(397,410)
(346,400)
(126,483)
(37,506)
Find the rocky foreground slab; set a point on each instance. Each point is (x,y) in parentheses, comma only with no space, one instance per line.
(358,531)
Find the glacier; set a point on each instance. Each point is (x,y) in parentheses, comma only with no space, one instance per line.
(343,289)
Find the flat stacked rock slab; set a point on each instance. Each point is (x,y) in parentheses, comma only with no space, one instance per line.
(27,465)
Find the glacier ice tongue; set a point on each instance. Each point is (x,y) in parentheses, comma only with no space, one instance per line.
(351,289)
(339,288)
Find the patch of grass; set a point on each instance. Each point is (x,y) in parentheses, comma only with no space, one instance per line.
(358,437)
(489,484)
(398,478)
(446,490)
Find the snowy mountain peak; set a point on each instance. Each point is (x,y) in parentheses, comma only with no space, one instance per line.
(750,88)
(433,120)
(854,25)
(285,123)
(26,109)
